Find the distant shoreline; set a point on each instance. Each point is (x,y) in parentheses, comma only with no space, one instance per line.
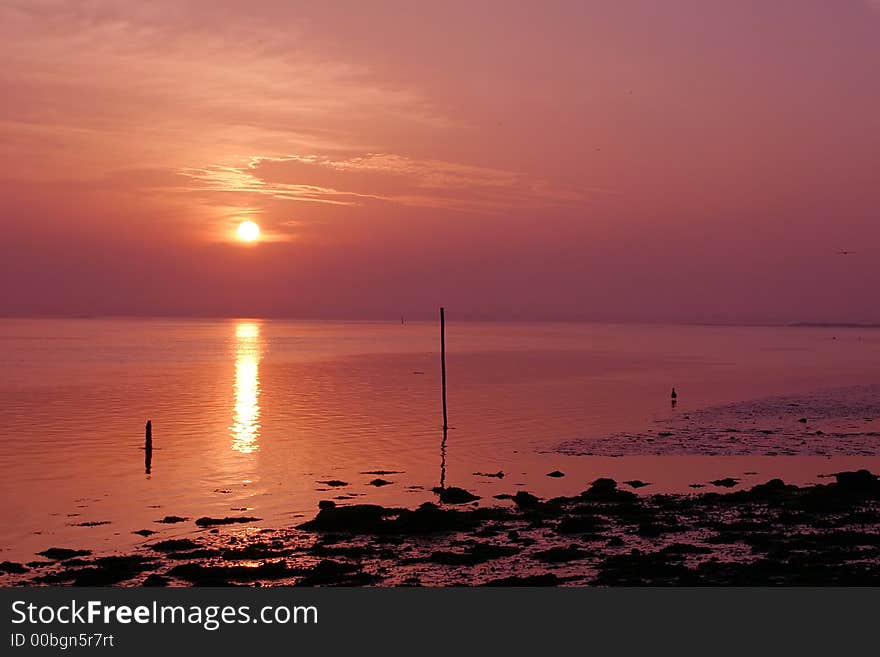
(833,325)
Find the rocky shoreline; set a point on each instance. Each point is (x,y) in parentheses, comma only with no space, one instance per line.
(771,534)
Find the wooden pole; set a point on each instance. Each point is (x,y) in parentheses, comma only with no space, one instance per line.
(443,364)
(148,446)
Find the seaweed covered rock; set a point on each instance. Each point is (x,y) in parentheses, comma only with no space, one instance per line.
(357,518)
(861,482)
(525,500)
(606,490)
(454,495)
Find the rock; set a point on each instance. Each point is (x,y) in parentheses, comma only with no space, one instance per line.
(727,482)
(108,571)
(326,504)
(496,475)
(430,518)
(59,554)
(205,521)
(556,473)
(525,500)
(606,490)
(636,483)
(803,420)
(174,545)
(12,568)
(334,483)
(168,520)
(770,490)
(144,532)
(861,481)
(454,495)
(366,518)
(380,482)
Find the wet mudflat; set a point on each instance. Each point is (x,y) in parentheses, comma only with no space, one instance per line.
(770,534)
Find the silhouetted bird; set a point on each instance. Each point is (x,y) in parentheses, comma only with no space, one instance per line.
(674,395)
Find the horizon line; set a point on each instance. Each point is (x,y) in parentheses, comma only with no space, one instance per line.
(423,318)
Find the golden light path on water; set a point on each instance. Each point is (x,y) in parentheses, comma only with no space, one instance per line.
(245,427)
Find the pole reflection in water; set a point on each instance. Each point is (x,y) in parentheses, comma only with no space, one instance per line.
(245,427)
(443,459)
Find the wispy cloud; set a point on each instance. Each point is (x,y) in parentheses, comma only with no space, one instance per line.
(388,178)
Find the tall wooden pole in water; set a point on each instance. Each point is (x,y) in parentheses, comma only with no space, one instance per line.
(443,364)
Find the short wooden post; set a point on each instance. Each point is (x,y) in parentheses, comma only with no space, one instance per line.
(148,446)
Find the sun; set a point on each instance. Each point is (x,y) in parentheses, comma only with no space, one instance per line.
(248,231)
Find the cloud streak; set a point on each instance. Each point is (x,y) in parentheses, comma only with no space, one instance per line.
(386,178)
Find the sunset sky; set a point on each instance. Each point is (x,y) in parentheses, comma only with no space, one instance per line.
(688,160)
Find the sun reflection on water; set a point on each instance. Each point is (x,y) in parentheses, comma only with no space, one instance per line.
(245,427)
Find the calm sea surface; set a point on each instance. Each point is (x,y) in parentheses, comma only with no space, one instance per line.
(251,416)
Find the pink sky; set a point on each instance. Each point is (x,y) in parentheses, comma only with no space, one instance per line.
(626,160)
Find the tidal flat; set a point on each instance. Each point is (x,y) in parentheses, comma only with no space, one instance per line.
(770,534)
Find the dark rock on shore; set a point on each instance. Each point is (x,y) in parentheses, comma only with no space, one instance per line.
(380,482)
(727,482)
(334,483)
(13,568)
(59,554)
(525,500)
(556,473)
(206,521)
(104,571)
(168,520)
(454,495)
(174,545)
(606,490)
(366,518)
